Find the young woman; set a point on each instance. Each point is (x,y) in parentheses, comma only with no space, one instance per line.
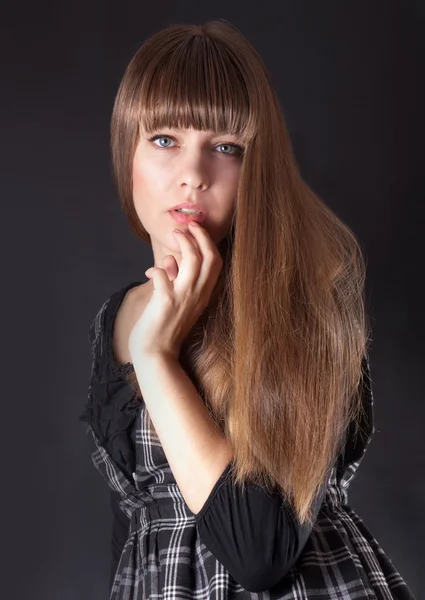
(230,402)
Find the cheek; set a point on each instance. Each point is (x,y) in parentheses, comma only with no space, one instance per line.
(139,177)
(230,186)
(148,178)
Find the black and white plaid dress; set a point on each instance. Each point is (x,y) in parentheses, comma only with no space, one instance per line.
(164,556)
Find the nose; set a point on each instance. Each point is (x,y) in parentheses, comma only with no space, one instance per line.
(194,173)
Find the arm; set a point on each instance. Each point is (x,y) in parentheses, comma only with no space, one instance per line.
(252,534)
(195,449)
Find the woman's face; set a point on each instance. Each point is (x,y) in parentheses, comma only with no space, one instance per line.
(186,165)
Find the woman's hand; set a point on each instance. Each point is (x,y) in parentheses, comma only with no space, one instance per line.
(177,302)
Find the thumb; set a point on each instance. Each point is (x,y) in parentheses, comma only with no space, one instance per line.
(159,278)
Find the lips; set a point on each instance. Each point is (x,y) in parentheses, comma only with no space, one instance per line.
(191,206)
(186,218)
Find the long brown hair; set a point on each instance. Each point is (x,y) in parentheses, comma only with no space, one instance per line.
(277,354)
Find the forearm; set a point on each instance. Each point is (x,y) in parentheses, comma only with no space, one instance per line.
(196,451)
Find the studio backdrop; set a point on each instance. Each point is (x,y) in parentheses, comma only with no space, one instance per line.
(350,82)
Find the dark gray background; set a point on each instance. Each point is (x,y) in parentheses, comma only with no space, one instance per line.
(349,76)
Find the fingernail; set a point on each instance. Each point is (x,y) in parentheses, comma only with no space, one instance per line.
(194,223)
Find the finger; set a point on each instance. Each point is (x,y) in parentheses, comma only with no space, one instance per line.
(159,278)
(191,260)
(170,266)
(211,257)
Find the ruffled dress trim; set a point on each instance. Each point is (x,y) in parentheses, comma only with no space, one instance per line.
(112,408)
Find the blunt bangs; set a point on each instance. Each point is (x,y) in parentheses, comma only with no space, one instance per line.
(198,85)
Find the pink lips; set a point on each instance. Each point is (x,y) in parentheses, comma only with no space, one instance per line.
(186,218)
(191,205)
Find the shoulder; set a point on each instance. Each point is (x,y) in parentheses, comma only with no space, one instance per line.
(121,323)
(124,313)
(106,315)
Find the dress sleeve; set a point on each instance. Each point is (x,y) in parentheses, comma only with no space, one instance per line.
(255,534)
(252,532)
(111,409)
(110,415)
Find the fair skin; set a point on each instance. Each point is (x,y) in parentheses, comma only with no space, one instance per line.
(183,165)
(198,167)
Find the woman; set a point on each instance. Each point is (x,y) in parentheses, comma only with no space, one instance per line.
(230,402)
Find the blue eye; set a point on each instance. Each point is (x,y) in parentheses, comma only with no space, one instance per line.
(239,150)
(158,137)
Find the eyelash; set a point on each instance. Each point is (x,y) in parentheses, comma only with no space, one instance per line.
(240,149)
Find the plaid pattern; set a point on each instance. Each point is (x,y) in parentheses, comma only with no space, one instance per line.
(164,557)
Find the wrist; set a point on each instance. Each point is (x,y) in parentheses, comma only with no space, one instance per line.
(146,359)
